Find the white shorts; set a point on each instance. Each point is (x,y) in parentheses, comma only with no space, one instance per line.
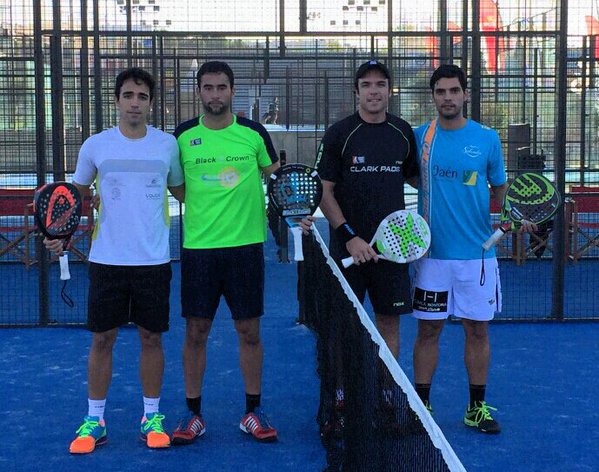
(453,287)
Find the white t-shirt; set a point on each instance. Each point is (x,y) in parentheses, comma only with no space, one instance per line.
(131,177)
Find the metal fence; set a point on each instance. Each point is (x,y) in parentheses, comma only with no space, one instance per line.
(529,79)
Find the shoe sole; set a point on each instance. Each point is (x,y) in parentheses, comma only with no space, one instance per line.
(180,441)
(486,431)
(267,439)
(99,442)
(144,438)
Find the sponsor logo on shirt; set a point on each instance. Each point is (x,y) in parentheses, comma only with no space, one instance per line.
(444,172)
(379,169)
(358,160)
(228,177)
(153,183)
(195,141)
(469,177)
(472,151)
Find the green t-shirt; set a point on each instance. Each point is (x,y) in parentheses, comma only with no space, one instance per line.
(224,197)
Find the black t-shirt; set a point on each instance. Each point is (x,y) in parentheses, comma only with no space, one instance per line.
(369,164)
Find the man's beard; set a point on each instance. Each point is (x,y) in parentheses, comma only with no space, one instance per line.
(221,110)
(450,115)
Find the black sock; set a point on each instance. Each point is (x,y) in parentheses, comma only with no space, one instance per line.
(251,402)
(195,405)
(423,391)
(477,393)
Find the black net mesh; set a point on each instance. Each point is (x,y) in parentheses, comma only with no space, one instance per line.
(370,417)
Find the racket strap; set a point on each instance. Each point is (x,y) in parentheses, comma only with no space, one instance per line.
(482,268)
(65,296)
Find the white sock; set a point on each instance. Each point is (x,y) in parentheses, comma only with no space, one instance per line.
(151,405)
(96,408)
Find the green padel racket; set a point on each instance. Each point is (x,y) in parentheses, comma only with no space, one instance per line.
(403,236)
(529,197)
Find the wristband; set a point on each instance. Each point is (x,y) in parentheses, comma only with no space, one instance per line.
(345,232)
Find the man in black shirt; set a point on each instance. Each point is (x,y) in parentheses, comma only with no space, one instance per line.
(364,161)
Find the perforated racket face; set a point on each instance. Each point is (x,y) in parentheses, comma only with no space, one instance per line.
(295,190)
(531,197)
(403,236)
(57,209)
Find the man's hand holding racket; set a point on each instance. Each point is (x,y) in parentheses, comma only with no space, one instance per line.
(57,210)
(294,191)
(403,236)
(530,199)
(358,248)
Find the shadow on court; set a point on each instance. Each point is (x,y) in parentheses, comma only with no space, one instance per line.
(543,379)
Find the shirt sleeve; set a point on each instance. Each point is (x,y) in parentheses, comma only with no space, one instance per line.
(267,155)
(410,163)
(175,173)
(85,170)
(496,166)
(329,159)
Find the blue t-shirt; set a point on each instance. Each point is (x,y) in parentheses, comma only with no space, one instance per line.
(453,190)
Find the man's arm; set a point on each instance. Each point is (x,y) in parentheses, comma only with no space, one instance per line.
(359,249)
(413,181)
(178,192)
(270,169)
(498,192)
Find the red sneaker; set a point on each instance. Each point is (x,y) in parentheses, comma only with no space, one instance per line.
(257,424)
(189,429)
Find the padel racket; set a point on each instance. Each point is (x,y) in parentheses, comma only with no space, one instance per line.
(403,236)
(57,210)
(529,197)
(294,191)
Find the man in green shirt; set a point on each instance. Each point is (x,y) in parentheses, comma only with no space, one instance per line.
(223,157)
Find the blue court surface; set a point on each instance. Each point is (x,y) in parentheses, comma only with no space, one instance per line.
(543,379)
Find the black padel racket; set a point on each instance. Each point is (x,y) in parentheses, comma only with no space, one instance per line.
(529,197)
(57,209)
(294,191)
(403,236)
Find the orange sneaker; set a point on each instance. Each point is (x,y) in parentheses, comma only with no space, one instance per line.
(90,434)
(152,432)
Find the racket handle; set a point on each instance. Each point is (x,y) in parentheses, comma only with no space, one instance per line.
(64,266)
(347,262)
(298,250)
(496,236)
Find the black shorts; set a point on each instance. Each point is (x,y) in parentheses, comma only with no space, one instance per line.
(237,273)
(387,283)
(123,294)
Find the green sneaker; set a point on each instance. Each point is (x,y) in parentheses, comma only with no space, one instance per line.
(152,431)
(90,434)
(479,416)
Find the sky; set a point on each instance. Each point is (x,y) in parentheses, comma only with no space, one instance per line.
(232,15)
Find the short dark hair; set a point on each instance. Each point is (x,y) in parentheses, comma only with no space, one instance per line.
(373,64)
(448,71)
(139,76)
(215,67)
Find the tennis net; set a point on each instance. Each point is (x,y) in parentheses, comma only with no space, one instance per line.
(370,417)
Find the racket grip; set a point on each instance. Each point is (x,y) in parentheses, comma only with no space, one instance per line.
(496,236)
(64,266)
(347,262)
(298,250)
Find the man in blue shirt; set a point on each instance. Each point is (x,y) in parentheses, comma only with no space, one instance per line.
(458,159)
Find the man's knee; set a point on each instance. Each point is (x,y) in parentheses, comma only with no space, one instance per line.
(248,331)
